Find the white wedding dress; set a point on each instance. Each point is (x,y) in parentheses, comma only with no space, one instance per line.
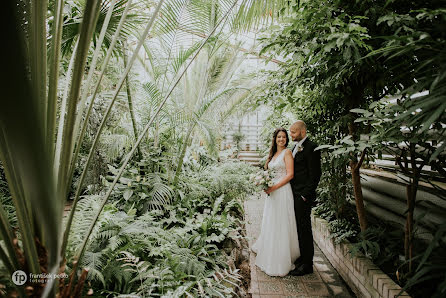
(278,246)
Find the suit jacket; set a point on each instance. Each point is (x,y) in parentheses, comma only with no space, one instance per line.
(307,171)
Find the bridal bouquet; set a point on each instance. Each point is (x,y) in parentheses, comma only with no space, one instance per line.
(263,179)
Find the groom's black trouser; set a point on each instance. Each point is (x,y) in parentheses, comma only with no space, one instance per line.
(302,212)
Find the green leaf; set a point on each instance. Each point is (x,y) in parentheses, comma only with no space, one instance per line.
(361,119)
(127,194)
(348,141)
(358,111)
(340,151)
(433,117)
(323,147)
(437,152)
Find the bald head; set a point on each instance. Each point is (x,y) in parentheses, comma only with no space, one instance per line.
(299,124)
(298,130)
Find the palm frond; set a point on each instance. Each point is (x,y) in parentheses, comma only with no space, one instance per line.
(182,57)
(161,194)
(208,133)
(75,15)
(115,145)
(86,208)
(154,93)
(252,13)
(95,262)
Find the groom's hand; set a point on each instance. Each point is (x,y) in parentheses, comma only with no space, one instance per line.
(303,198)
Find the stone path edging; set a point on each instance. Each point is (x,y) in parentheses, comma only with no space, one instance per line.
(363,277)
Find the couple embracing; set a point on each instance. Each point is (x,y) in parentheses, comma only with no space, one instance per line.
(285,244)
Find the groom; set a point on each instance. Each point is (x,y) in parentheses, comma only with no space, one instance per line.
(307,172)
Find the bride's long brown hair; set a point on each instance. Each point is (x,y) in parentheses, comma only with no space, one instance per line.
(273,148)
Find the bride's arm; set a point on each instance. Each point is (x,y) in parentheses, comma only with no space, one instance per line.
(289,163)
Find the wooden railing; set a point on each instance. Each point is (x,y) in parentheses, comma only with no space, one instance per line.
(251,133)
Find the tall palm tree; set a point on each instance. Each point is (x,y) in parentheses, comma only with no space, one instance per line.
(206,94)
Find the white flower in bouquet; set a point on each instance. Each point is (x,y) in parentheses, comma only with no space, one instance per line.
(264,179)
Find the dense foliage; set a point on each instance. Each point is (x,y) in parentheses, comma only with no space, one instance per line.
(67,118)
(340,57)
(154,241)
(133,155)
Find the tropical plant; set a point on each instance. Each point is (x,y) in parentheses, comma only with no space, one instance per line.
(410,128)
(431,266)
(169,250)
(329,48)
(42,131)
(412,148)
(238,137)
(145,192)
(339,57)
(110,12)
(418,44)
(44,177)
(341,228)
(204,107)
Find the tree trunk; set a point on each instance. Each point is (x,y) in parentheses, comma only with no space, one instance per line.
(411,194)
(182,154)
(156,136)
(357,189)
(341,198)
(353,101)
(129,99)
(355,165)
(411,191)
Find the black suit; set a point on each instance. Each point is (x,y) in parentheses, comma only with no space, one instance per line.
(307,173)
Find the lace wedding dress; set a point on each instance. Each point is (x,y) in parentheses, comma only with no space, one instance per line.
(277,246)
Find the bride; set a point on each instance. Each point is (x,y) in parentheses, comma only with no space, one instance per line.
(277,246)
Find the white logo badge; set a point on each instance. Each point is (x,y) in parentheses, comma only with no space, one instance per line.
(19,277)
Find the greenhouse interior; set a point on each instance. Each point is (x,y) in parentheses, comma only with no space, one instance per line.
(223,148)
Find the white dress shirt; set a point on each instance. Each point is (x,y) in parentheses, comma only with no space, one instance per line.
(297,145)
